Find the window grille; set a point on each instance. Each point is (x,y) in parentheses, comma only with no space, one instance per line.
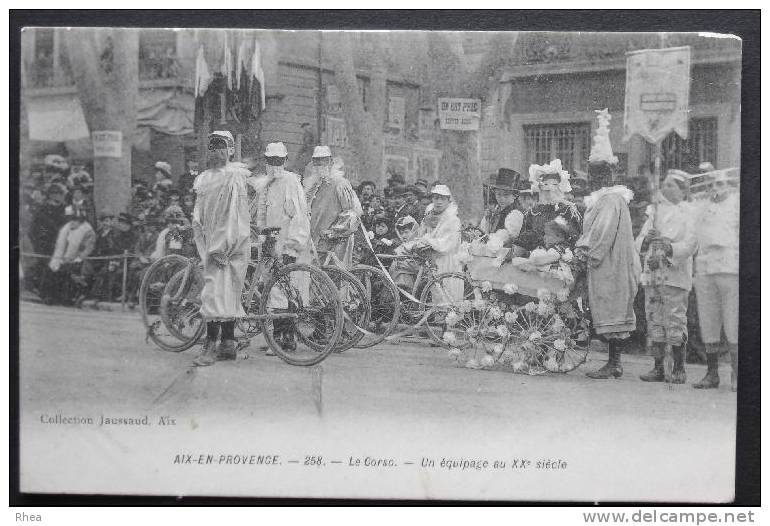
(700,146)
(569,142)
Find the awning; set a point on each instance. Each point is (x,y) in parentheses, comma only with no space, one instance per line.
(56,118)
(59,118)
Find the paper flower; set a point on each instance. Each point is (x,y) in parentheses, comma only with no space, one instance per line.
(479,304)
(452,318)
(567,256)
(450,338)
(558,323)
(508,356)
(455,353)
(511,316)
(466,306)
(472,364)
(486,286)
(497,350)
(551,364)
(495,313)
(487,361)
(531,306)
(563,294)
(535,336)
(503,331)
(544,294)
(497,240)
(472,332)
(511,288)
(370,234)
(544,308)
(559,345)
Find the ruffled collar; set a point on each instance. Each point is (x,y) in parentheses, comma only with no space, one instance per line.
(622,190)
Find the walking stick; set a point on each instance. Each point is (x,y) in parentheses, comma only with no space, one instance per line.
(656,275)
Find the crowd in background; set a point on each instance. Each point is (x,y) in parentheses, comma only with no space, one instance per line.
(79,255)
(71,254)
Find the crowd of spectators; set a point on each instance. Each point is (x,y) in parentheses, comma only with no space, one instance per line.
(71,254)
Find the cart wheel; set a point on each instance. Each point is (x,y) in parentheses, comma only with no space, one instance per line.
(452,322)
(312,319)
(549,339)
(383,297)
(355,306)
(151,292)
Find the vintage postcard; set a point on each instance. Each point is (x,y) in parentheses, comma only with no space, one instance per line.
(379,265)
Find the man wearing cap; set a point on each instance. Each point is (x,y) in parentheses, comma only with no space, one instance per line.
(717,230)
(411,205)
(334,206)
(221,231)
(440,232)
(279,202)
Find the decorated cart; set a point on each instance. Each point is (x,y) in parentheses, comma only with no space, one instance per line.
(527,319)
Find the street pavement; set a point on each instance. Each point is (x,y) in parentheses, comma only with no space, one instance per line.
(408,402)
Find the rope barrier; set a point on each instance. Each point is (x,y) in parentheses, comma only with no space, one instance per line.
(118,256)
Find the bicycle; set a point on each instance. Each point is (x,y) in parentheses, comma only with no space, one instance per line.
(296,302)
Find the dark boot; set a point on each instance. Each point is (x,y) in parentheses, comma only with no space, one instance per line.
(655,374)
(208,355)
(611,369)
(711,380)
(678,376)
(226,350)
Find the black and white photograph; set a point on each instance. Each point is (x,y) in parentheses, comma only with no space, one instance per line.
(351,264)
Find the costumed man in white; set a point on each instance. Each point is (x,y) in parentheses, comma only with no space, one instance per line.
(279,203)
(667,277)
(221,231)
(335,211)
(439,232)
(717,229)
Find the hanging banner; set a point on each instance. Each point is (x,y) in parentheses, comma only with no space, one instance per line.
(107,143)
(657,93)
(459,114)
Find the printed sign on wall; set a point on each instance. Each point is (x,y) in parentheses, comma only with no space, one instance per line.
(459,114)
(107,143)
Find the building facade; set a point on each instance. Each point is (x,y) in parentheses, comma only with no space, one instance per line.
(543,107)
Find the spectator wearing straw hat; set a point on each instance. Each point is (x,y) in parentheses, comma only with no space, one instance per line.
(162,176)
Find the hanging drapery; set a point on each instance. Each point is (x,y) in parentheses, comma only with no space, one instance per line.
(202,75)
(257,72)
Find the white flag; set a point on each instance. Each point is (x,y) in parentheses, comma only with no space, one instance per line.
(227,65)
(657,93)
(240,63)
(202,76)
(257,73)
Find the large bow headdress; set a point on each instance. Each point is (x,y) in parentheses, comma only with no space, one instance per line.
(536,172)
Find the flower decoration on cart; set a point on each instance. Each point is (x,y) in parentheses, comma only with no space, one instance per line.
(533,324)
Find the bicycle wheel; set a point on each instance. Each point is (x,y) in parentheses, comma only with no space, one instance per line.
(151,292)
(251,300)
(385,303)
(180,305)
(303,314)
(355,306)
(449,298)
